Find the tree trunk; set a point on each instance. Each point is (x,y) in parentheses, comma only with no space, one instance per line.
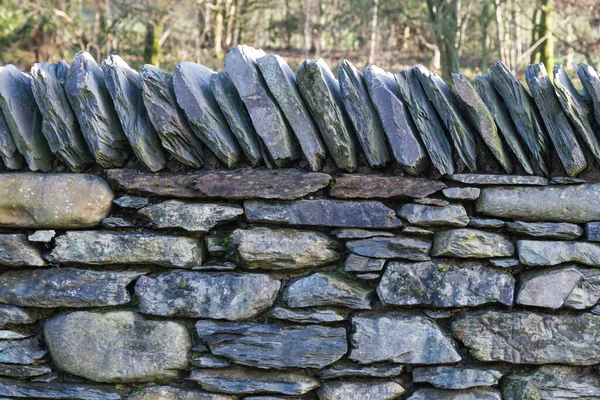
(535,36)
(231,7)
(307,35)
(218,45)
(373,42)
(547,47)
(443,19)
(152,43)
(484,23)
(500,30)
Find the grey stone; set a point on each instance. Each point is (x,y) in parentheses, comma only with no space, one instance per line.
(191,83)
(368,276)
(392,247)
(311,316)
(321,92)
(552,382)
(27,351)
(88,95)
(12,315)
(422,215)
(426,121)
(209,361)
(430,201)
(6,334)
(44,236)
(175,393)
(504,262)
(399,338)
(384,187)
(590,80)
(456,377)
(235,113)
(521,337)
(361,390)
(592,231)
(471,243)
(470,394)
(489,179)
(274,346)
(358,233)
(116,222)
(482,119)
(541,253)
(327,289)
(23,118)
(356,263)
(413,230)
(523,112)
(117,346)
(125,88)
(105,248)
(16,251)
(282,248)
(486,223)
(56,391)
(462,193)
(550,230)
(206,295)
(266,116)
(445,284)
(236,380)
(334,213)
(557,124)
(23,371)
(269,398)
(346,368)
(168,119)
(566,180)
(396,121)
(363,116)
(192,217)
(134,202)
(8,150)
(66,287)
(282,85)
(59,123)
(226,266)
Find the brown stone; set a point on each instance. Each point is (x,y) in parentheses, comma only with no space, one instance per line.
(377,186)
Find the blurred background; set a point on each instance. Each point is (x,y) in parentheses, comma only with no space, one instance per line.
(445,35)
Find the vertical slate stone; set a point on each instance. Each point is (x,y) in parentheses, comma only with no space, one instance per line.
(591,85)
(237,117)
(362,115)
(266,116)
(125,88)
(8,150)
(558,126)
(168,119)
(192,89)
(321,91)
(426,120)
(397,124)
(23,118)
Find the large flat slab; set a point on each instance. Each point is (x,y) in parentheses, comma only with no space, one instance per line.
(384,187)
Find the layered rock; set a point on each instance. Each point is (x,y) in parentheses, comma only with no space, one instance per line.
(345,368)
(385,187)
(460,193)
(470,394)
(492,179)
(356,263)
(310,316)
(360,390)
(541,253)
(16,251)
(471,243)
(175,393)
(422,215)
(391,247)
(12,315)
(9,154)
(192,217)
(590,80)
(548,230)
(57,390)
(456,377)
(24,352)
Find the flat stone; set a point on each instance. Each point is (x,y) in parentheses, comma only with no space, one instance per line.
(486,223)
(226,266)
(490,179)
(30,200)
(168,119)
(592,231)
(311,316)
(125,88)
(399,338)
(6,334)
(23,371)
(356,263)
(445,284)
(504,262)
(12,315)
(206,295)
(430,201)
(90,99)
(392,247)
(235,113)
(27,351)
(59,123)
(540,253)
(461,193)
(282,85)
(413,230)
(16,251)
(426,121)
(521,337)
(116,222)
(385,187)
(347,369)
(552,382)
(105,248)
(127,347)
(284,184)
(23,118)
(321,92)
(282,248)
(361,390)
(209,361)
(590,80)
(267,118)
(43,236)
(395,119)
(274,346)
(175,393)
(481,118)
(422,215)
(470,394)
(8,150)
(327,289)
(236,380)
(134,202)
(549,230)
(447,377)
(368,276)
(57,391)
(471,243)
(566,180)
(358,233)
(66,287)
(192,217)
(334,213)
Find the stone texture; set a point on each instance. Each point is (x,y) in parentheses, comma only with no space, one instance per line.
(168,119)
(549,230)
(59,123)
(590,80)
(56,391)
(310,316)
(23,371)
(363,116)
(345,368)
(521,337)
(407,339)
(191,83)
(541,253)
(445,284)
(105,248)
(456,377)
(206,295)
(592,231)
(117,222)
(462,193)
(321,92)
(471,394)
(284,184)
(361,390)
(192,217)
(358,233)
(385,187)
(356,263)
(421,215)
(117,346)
(504,262)
(8,150)
(274,346)
(327,289)
(413,230)
(396,121)
(16,251)
(134,202)
(210,361)
(27,351)
(125,88)
(471,243)
(391,247)
(281,81)
(334,213)
(282,248)
(489,179)
(12,315)
(43,236)
(486,223)
(175,393)
(431,201)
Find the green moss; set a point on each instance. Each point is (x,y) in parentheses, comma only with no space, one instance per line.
(419,292)
(443,268)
